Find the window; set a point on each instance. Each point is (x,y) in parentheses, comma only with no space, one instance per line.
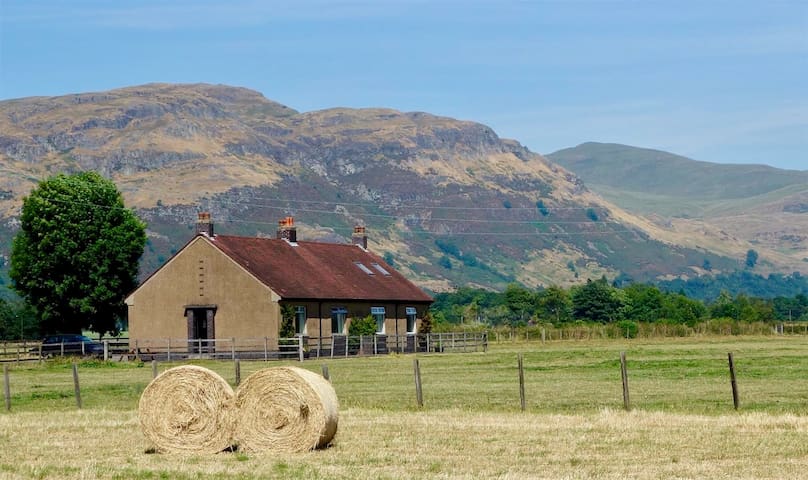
(378,315)
(363,268)
(411,316)
(381,269)
(300,319)
(338,316)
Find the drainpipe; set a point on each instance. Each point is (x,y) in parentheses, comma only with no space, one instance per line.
(398,346)
(320,336)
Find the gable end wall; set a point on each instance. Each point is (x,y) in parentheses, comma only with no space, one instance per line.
(200,274)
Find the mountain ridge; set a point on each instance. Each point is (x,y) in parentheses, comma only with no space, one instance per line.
(449,201)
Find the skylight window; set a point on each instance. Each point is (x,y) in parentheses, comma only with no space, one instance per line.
(380,269)
(363,268)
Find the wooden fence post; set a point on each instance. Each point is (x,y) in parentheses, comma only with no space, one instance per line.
(238,372)
(521,383)
(154,368)
(76,388)
(106,350)
(624,374)
(300,347)
(325,372)
(6,388)
(419,396)
(733,381)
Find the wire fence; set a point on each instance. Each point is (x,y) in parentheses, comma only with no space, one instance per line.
(263,348)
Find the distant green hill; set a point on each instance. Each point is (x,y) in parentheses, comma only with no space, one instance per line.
(665,174)
(747,206)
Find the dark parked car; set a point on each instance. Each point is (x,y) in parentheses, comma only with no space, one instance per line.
(71,344)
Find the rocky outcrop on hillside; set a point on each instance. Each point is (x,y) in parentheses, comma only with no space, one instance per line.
(451,202)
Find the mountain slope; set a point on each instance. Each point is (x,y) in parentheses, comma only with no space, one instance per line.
(448,201)
(764,206)
(662,173)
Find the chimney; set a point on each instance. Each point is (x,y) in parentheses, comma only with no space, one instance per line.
(287,230)
(203,224)
(359,236)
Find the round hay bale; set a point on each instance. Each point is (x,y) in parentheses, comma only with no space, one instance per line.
(188,409)
(285,409)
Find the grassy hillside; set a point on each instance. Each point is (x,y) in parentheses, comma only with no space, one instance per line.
(672,176)
(723,208)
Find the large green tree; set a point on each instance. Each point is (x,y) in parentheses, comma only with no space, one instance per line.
(555,304)
(596,302)
(76,254)
(520,302)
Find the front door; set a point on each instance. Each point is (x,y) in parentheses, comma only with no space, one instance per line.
(201,329)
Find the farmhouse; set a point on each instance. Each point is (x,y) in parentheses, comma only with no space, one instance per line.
(226,287)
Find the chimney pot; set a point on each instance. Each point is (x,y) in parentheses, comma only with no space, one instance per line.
(287,230)
(360,236)
(204,226)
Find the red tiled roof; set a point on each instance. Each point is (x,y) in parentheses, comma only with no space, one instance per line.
(314,270)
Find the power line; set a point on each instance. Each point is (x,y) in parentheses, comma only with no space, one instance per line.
(417,205)
(449,234)
(403,218)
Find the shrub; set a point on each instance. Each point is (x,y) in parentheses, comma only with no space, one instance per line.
(628,328)
(445,262)
(362,326)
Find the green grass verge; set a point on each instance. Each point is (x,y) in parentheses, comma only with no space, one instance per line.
(673,375)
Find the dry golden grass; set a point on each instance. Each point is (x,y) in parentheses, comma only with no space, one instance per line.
(435,444)
(683,425)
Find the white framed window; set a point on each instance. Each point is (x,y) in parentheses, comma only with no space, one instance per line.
(363,268)
(338,317)
(300,319)
(380,269)
(378,314)
(412,315)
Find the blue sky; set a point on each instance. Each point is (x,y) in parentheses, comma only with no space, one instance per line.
(715,80)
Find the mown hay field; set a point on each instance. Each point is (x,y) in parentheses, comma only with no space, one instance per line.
(682,423)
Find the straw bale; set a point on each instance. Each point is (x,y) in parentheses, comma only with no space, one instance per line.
(285,409)
(188,409)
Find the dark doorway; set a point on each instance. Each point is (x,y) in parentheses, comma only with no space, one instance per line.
(201,332)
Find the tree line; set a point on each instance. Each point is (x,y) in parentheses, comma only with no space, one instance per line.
(599,301)
(76,256)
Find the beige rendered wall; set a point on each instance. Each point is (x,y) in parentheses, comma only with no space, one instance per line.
(201,274)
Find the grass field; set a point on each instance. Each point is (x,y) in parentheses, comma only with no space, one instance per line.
(682,425)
